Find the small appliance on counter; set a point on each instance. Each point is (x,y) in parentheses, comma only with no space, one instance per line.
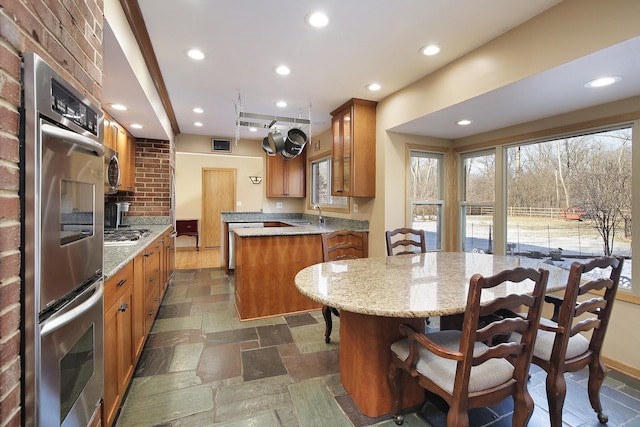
(114,214)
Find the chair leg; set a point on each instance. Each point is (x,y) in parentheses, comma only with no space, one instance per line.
(596,378)
(458,416)
(556,392)
(523,406)
(326,313)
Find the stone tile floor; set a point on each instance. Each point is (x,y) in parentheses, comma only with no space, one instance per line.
(201,366)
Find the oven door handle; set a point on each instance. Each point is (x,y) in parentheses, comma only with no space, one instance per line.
(54,323)
(75,138)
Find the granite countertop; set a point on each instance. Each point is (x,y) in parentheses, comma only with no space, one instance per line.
(116,257)
(413,286)
(297,224)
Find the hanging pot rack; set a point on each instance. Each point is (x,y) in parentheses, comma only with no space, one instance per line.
(267,121)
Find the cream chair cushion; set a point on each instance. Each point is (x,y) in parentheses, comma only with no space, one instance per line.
(442,371)
(544,343)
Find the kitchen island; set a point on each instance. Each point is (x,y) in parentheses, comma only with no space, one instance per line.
(268,258)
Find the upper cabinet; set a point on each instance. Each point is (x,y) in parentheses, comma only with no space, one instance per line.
(127,158)
(353,152)
(286,177)
(118,139)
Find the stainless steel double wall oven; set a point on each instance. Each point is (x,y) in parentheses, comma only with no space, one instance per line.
(63,223)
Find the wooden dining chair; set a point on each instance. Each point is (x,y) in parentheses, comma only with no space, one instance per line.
(464,367)
(405,241)
(341,244)
(560,347)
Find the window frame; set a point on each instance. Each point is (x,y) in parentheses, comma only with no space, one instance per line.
(329,207)
(439,202)
(463,204)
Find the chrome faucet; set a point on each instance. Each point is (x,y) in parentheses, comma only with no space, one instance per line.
(320,217)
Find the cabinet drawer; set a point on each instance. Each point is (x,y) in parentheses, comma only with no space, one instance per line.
(152,303)
(117,284)
(152,281)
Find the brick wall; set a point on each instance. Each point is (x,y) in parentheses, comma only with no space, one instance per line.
(68,35)
(152,186)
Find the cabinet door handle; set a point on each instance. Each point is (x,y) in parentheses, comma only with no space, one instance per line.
(124,307)
(149,254)
(121,282)
(150,312)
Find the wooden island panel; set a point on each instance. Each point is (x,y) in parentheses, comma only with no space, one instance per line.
(265,271)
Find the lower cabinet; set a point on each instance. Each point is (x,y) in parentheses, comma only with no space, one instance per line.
(119,358)
(132,297)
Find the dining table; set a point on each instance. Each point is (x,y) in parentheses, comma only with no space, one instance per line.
(376,295)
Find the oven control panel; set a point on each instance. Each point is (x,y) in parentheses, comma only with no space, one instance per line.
(72,108)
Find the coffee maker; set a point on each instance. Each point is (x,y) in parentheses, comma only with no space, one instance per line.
(114,214)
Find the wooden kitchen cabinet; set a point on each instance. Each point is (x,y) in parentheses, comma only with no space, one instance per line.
(168,258)
(286,177)
(353,151)
(139,313)
(152,286)
(127,159)
(119,357)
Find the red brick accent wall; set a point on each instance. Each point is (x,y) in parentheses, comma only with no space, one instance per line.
(68,35)
(152,186)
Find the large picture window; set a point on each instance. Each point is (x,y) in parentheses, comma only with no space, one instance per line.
(569,198)
(426,195)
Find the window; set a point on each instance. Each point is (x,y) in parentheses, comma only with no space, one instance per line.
(426,194)
(320,170)
(570,198)
(477,192)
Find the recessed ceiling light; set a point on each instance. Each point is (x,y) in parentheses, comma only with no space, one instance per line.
(198,110)
(198,124)
(253,129)
(118,107)
(136,126)
(195,54)
(281,104)
(374,86)
(283,70)
(430,50)
(464,122)
(602,81)
(317,19)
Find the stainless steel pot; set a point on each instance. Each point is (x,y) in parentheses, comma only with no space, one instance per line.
(296,140)
(276,141)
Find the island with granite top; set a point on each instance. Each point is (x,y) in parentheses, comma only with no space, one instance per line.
(267,259)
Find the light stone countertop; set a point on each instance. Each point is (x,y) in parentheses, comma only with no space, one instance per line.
(116,257)
(298,224)
(414,286)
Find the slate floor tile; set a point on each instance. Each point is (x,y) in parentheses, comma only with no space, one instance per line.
(262,363)
(219,362)
(271,335)
(300,319)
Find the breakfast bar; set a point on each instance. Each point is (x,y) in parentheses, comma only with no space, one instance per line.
(267,258)
(376,295)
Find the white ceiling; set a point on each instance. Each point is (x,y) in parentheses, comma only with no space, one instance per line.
(366,41)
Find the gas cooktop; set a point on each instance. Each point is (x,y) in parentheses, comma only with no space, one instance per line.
(124,236)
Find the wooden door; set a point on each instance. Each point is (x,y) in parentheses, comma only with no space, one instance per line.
(218,195)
